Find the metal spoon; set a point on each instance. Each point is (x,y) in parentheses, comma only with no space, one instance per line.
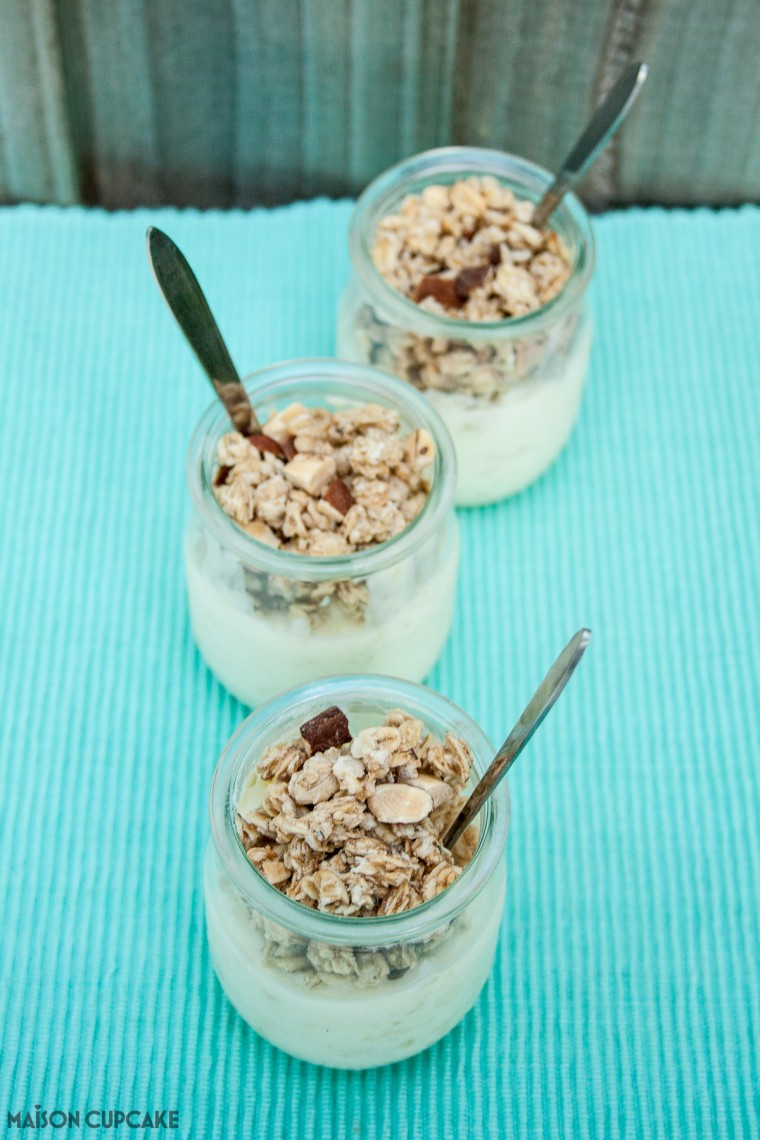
(186,300)
(537,708)
(604,122)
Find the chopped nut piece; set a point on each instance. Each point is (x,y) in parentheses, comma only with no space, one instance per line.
(312,473)
(328,729)
(266,443)
(441,289)
(399,803)
(289,448)
(278,426)
(439,792)
(221,475)
(339,496)
(468,279)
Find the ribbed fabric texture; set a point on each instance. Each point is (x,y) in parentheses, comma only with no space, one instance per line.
(625,1001)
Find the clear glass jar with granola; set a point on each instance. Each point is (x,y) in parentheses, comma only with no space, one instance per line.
(340,926)
(454,291)
(326,542)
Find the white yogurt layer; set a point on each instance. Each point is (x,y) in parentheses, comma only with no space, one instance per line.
(257,655)
(336,1022)
(503,446)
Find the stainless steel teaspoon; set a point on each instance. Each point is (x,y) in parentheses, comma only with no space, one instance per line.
(537,708)
(604,122)
(186,299)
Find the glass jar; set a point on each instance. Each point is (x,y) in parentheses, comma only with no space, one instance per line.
(265,619)
(350,992)
(509,390)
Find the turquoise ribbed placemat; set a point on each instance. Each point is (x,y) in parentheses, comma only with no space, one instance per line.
(625,1000)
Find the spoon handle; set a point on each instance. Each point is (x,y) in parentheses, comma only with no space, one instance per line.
(604,122)
(187,302)
(535,711)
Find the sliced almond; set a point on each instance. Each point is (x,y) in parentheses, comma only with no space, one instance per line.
(438,790)
(399,803)
(311,473)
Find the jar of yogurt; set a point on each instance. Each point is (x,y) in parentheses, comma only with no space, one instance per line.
(265,618)
(508,388)
(333,988)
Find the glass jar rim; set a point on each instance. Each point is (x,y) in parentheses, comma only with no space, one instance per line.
(369,383)
(386,190)
(297,705)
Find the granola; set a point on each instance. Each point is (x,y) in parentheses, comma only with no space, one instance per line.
(322,484)
(325,483)
(466,251)
(352,826)
(319,963)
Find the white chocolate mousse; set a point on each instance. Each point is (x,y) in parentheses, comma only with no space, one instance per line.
(351,827)
(321,484)
(505,444)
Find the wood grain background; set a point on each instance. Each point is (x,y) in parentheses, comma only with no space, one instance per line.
(236,102)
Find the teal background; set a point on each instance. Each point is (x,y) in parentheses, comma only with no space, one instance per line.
(625,1001)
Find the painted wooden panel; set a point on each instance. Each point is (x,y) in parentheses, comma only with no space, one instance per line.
(233,102)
